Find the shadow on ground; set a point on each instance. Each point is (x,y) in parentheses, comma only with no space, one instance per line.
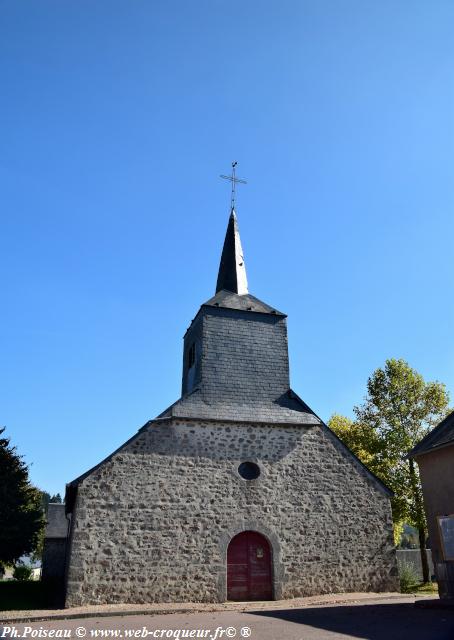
(387,621)
(30,594)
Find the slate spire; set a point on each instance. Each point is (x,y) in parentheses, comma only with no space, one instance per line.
(232,270)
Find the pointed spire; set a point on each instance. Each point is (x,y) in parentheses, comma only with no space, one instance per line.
(232,270)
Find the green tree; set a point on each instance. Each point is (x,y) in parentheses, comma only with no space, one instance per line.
(21,513)
(46,498)
(362,439)
(399,410)
(22,573)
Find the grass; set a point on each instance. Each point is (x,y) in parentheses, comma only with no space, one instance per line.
(30,594)
(426,588)
(410,582)
(408,577)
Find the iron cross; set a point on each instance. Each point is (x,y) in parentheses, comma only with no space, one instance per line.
(234,180)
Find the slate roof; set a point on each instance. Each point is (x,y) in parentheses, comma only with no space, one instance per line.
(232,270)
(441,436)
(288,409)
(245,302)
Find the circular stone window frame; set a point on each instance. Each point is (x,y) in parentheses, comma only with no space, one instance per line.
(249,468)
(253,481)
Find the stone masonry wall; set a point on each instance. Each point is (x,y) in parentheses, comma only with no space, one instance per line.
(153,523)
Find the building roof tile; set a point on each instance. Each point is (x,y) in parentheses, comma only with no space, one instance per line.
(441,436)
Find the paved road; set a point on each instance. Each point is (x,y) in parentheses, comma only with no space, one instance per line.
(374,620)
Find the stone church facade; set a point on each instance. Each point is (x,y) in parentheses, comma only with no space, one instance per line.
(238,490)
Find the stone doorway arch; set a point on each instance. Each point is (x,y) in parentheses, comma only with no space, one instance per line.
(249,567)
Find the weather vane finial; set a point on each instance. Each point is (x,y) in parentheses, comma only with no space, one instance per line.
(234,180)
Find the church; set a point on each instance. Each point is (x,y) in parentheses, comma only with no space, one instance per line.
(237,491)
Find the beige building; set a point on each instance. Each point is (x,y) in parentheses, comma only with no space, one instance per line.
(435,457)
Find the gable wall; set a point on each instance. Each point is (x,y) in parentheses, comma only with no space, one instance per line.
(437,479)
(154,523)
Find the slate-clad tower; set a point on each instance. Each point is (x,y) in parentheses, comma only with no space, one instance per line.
(237,490)
(235,357)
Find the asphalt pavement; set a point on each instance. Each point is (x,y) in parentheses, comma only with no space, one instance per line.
(393,619)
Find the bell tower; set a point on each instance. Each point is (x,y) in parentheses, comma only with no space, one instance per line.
(235,355)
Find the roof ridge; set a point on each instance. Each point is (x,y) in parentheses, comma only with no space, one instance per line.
(434,438)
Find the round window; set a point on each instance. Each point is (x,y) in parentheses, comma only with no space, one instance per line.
(249,470)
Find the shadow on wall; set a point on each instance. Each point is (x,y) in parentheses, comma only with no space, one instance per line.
(222,441)
(388,621)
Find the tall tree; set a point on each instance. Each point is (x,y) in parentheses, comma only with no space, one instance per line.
(399,410)
(21,513)
(46,498)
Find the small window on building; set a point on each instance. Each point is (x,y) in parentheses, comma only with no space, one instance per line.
(249,470)
(191,355)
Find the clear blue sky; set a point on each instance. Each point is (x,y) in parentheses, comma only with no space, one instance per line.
(117,119)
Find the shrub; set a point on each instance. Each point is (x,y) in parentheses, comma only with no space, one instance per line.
(22,573)
(409,579)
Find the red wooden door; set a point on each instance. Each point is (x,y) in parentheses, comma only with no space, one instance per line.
(249,567)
